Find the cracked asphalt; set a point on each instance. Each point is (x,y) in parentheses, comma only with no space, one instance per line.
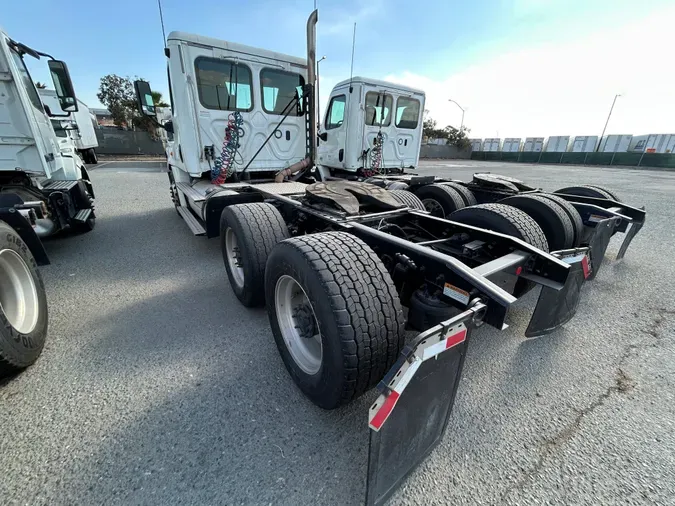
(157,387)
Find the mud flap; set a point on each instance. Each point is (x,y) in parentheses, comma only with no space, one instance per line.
(557,307)
(409,418)
(599,241)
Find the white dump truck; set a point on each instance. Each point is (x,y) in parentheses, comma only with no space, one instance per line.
(80,126)
(44,188)
(330,231)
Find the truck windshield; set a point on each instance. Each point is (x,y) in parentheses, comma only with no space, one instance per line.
(28,84)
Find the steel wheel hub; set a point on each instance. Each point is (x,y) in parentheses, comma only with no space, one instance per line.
(18,293)
(298,324)
(234,257)
(434,208)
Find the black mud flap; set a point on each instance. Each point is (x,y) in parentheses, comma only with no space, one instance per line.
(409,418)
(599,241)
(557,307)
(634,229)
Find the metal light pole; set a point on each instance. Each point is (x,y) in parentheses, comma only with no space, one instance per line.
(607,122)
(316,89)
(462,108)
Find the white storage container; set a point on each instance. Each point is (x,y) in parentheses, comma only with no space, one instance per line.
(476,144)
(557,143)
(615,143)
(492,144)
(533,144)
(511,145)
(584,144)
(653,143)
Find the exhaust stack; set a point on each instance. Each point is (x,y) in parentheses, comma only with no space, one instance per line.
(311,80)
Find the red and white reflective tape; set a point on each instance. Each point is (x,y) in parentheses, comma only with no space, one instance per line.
(586,266)
(429,348)
(445,344)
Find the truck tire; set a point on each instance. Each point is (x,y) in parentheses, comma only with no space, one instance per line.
(507,220)
(248,232)
(577,222)
(587,191)
(92,157)
(335,315)
(23,304)
(440,200)
(550,216)
(467,195)
(408,198)
(611,194)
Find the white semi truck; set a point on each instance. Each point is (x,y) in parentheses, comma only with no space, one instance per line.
(327,230)
(44,188)
(82,127)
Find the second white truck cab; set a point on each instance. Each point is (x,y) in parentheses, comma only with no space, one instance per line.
(83,126)
(371,125)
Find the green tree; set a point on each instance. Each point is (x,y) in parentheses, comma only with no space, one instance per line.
(459,137)
(117,94)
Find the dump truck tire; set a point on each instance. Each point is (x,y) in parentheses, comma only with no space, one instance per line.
(24,315)
(611,193)
(248,233)
(507,220)
(440,200)
(408,198)
(335,315)
(577,222)
(550,216)
(467,195)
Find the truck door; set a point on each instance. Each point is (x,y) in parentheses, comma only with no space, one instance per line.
(408,130)
(332,150)
(35,123)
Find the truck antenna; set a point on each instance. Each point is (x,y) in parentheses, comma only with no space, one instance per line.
(351,72)
(161,20)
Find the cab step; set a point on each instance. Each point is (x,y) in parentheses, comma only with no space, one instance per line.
(190,193)
(192,222)
(83,215)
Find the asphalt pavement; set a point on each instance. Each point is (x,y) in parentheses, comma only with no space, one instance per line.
(157,387)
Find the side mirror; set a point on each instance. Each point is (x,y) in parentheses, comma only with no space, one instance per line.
(63,86)
(146,106)
(323,136)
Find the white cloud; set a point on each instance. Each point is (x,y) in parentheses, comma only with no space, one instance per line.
(340,22)
(566,88)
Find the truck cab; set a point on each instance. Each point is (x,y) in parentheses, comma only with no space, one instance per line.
(40,173)
(371,125)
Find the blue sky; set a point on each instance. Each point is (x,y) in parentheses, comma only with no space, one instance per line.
(520,67)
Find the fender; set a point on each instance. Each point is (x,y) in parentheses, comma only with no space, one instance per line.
(22,226)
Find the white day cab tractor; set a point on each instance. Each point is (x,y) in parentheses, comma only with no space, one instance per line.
(364,286)
(44,189)
(79,126)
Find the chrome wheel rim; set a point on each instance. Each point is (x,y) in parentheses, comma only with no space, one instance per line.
(298,324)
(18,293)
(234,257)
(434,207)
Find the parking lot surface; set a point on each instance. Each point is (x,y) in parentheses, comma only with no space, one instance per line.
(157,387)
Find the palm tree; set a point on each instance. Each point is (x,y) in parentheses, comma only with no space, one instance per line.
(40,86)
(157,99)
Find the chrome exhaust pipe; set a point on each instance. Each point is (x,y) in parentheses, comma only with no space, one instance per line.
(311,80)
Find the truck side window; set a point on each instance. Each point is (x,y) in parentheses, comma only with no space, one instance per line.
(223,85)
(378,109)
(336,112)
(407,113)
(27,81)
(278,89)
